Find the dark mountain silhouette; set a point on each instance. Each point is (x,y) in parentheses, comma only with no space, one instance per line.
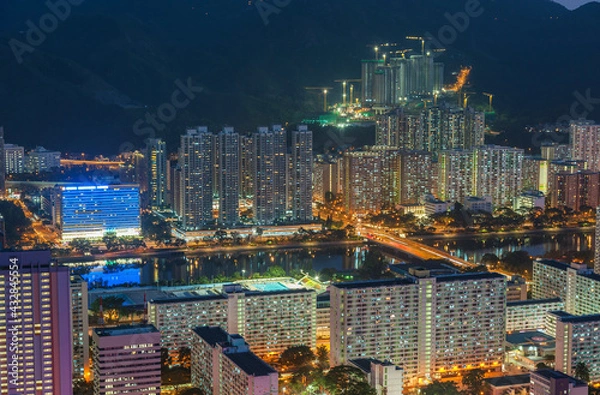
(112,61)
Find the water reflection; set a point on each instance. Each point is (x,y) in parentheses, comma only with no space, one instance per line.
(536,245)
(179,269)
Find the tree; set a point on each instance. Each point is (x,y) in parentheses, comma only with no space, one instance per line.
(374,267)
(165,358)
(441,388)
(80,245)
(295,357)
(473,380)
(185,357)
(490,259)
(82,387)
(322,357)
(348,380)
(16,223)
(582,372)
(275,271)
(112,307)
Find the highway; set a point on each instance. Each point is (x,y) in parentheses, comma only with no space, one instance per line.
(410,247)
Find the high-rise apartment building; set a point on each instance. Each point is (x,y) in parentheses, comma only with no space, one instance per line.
(156,154)
(35,325)
(578,340)
(498,173)
(80,318)
(575,284)
(14,158)
(327,178)
(134,170)
(228,158)
(585,143)
(432,327)
(3,168)
(246,166)
(175,318)
(222,364)
(576,190)
(272,321)
(370,180)
(270,317)
(433,129)
(415,174)
(196,164)
(269,174)
(126,360)
(530,315)
(597,243)
(301,174)
(456,170)
(535,174)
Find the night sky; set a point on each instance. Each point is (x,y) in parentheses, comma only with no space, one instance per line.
(571,4)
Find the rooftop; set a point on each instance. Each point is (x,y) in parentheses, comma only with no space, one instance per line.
(533,302)
(553,263)
(213,335)
(507,381)
(125,330)
(364,364)
(533,337)
(251,364)
(470,276)
(580,318)
(373,283)
(554,374)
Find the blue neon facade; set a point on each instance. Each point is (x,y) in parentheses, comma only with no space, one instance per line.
(92,211)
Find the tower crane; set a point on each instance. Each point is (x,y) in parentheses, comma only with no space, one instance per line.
(491,97)
(325,90)
(345,86)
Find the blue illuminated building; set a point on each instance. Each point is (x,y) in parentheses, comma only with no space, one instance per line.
(90,212)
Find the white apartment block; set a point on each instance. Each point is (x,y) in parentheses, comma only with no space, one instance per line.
(578,340)
(222,364)
(575,284)
(175,318)
(530,315)
(272,321)
(431,327)
(269,319)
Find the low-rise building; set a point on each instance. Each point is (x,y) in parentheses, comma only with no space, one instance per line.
(478,204)
(384,376)
(551,382)
(516,385)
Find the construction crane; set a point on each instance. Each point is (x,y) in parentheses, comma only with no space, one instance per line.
(377,47)
(465,98)
(345,86)
(419,38)
(491,97)
(324,89)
